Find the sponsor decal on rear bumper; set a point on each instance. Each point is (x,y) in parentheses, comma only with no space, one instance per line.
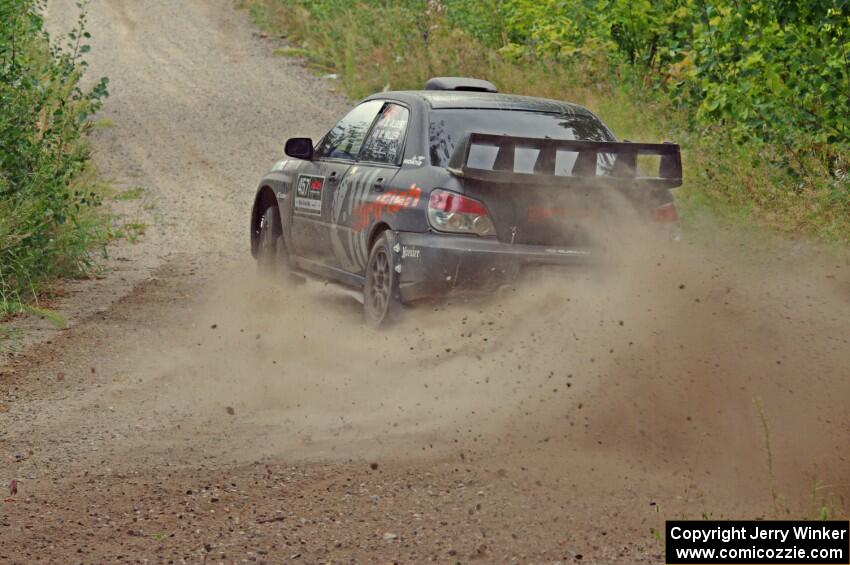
(410,252)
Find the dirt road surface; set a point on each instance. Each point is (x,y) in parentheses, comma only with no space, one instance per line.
(194,413)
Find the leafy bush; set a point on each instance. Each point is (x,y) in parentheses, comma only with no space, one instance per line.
(756,95)
(772,70)
(46,198)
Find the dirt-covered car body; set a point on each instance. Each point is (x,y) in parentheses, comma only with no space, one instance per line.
(471,186)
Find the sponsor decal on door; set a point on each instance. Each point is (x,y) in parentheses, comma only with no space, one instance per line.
(308,195)
(390,202)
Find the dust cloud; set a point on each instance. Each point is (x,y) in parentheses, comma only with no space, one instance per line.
(670,361)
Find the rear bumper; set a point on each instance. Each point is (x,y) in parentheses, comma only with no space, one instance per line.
(437,264)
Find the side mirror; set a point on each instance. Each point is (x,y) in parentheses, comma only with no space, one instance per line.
(299,148)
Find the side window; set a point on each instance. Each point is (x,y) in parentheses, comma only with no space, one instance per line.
(346,138)
(386,141)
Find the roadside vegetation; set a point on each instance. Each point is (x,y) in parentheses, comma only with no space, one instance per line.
(49,196)
(757,93)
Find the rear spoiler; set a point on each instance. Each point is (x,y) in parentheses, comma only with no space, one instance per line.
(620,159)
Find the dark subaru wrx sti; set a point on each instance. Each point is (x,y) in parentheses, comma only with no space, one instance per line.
(416,194)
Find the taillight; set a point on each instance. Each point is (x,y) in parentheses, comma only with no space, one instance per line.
(665,214)
(451,212)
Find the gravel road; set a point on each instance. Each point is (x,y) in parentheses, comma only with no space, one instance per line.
(195,413)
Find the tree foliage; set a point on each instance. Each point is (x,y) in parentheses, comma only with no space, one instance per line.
(776,71)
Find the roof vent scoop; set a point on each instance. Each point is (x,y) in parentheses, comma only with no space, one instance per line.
(460,83)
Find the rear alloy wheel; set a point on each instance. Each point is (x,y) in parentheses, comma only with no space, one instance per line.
(380,295)
(270,243)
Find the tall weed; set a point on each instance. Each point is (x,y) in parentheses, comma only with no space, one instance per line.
(48,199)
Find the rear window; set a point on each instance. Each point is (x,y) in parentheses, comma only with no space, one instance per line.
(448,127)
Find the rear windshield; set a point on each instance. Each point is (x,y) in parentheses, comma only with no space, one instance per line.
(448,127)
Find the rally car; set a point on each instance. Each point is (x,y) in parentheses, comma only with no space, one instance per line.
(416,194)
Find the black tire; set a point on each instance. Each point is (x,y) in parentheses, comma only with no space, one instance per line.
(381,302)
(270,248)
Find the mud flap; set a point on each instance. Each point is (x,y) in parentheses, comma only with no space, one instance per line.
(397,306)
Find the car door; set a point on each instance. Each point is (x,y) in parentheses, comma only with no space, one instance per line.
(364,196)
(312,201)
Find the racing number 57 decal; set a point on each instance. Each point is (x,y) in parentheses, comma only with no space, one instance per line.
(308,194)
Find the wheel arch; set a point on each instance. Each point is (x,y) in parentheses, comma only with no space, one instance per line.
(377,230)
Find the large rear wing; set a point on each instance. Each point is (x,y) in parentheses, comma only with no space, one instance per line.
(507,159)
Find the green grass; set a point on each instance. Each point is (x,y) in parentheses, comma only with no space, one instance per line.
(10,340)
(292,52)
(133,193)
(371,46)
(103,123)
(73,250)
(314,61)
(58,320)
(132,231)
(768,450)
